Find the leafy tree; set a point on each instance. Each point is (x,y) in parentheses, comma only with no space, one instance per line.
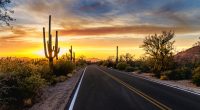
(5,13)
(110,62)
(128,58)
(159,48)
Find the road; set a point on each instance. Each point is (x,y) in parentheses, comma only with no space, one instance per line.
(105,89)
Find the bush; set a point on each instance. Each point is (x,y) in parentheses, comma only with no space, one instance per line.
(142,65)
(63,67)
(183,73)
(196,76)
(178,74)
(170,74)
(19,85)
(21,80)
(163,77)
(130,69)
(122,65)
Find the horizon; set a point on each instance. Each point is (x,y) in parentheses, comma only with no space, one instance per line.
(95,28)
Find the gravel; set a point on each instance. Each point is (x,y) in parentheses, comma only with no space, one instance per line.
(186,85)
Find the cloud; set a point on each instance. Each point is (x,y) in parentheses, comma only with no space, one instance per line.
(141,29)
(92,7)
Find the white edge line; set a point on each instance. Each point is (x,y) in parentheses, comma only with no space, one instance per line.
(76,93)
(159,82)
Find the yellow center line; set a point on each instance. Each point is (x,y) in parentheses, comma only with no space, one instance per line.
(148,98)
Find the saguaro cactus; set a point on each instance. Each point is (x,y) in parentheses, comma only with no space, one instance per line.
(117,56)
(70,50)
(74,59)
(50,51)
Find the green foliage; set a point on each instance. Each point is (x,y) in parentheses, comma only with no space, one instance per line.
(63,67)
(130,69)
(196,76)
(110,62)
(142,65)
(128,58)
(178,74)
(184,73)
(159,48)
(21,81)
(122,65)
(81,61)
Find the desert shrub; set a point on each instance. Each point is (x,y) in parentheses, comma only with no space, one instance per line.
(20,82)
(170,74)
(81,61)
(122,65)
(163,77)
(108,63)
(46,74)
(130,69)
(105,63)
(178,74)
(183,73)
(196,76)
(142,64)
(63,67)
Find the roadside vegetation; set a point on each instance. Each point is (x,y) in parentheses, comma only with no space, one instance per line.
(22,79)
(159,59)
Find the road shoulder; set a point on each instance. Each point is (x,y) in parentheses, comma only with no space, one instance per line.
(174,84)
(56,97)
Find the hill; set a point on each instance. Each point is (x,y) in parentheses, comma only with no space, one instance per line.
(190,55)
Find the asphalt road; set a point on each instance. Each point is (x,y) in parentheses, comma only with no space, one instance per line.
(106,89)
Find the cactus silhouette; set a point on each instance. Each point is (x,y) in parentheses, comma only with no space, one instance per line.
(117,56)
(50,51)
(70,51)
(74,59)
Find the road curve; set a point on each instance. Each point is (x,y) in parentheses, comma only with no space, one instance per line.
(105,89)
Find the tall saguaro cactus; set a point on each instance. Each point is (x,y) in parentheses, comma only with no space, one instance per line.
(117,56)
(70,50)
(50,51)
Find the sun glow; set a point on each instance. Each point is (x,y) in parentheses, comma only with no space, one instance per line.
(40,53)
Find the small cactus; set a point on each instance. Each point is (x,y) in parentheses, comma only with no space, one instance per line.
(74,59)
(117,56)
(50,51)
(70,51)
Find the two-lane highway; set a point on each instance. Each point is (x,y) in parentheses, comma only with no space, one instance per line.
(104,89)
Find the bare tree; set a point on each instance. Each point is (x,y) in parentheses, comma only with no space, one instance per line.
(5,13)
(159,48)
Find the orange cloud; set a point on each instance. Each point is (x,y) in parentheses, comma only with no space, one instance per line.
(142,29)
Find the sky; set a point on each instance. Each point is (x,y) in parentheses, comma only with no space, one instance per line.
(96,27)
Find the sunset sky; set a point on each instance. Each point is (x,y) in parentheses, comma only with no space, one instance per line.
(96,27)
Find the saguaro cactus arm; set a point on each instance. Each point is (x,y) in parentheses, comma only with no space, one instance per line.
(56,48)
(44,40)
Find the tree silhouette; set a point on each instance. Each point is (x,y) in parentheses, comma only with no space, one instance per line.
(5,13)
(160,50)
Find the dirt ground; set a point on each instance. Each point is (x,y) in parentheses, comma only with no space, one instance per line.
(56,97)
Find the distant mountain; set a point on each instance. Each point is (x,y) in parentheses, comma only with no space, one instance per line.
(93,59)
(189,55)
